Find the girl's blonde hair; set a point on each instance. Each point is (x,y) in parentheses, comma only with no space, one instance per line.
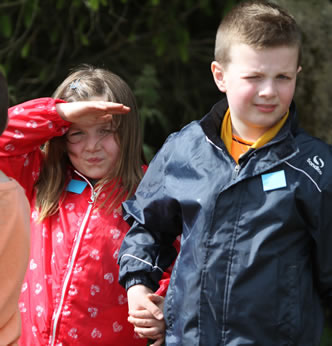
(82,84)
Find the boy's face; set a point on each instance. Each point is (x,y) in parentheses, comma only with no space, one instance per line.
(259,84)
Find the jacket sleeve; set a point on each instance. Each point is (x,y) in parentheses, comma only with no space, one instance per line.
(165,279)
(14,254)
(155,218)
(323,242)
(30,125)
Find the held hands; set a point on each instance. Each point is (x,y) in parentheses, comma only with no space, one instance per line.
(90,112)
(146,313)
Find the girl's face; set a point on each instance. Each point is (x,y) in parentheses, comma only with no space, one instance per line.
(93,150)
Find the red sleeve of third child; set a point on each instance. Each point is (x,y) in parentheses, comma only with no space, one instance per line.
(164,281)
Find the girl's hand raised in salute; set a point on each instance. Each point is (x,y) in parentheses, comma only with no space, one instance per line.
(90,112)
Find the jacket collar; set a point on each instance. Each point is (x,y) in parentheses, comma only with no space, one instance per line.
(211,123)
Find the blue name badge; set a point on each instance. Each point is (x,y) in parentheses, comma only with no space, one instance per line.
(274,180)
(76,186)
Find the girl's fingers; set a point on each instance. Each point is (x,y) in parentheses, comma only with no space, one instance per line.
(140,314)
(159,341)
(155,298)
(111,107)
(139,322)
(152,333)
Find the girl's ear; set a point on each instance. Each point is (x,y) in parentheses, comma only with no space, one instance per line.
(218,75)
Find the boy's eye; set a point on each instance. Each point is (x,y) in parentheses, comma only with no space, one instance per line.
(281,76)
(252,77)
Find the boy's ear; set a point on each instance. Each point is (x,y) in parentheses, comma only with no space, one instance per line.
(218,75)
(299,69)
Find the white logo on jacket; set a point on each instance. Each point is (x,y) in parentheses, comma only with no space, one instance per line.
(96,333)
(72,290)
(115,233)
(66,311)
(316,163)
(18,134)
(24,287)
(88,235)
(117,327)
(18,110)
(59,236)
(22,307)
(122,299)
(39,310)
(94,289)
(73,333)
(38,289)
(32,123)
(9,147)
(93,312)
(33,264)
(95,254)
(109,277)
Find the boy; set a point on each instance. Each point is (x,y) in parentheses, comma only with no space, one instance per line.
(251,194)
(14,242)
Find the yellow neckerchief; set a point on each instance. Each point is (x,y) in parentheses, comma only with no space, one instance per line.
(226,134)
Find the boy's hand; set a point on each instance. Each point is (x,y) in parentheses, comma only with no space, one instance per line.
(90,112)
(145,313)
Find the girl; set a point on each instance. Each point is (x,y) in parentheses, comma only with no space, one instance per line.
(91,160)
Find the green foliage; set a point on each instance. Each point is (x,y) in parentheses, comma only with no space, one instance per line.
(6,27)
(147,92)
(327,337)
(158,47)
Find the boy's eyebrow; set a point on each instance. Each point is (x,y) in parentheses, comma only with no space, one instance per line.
(261,72)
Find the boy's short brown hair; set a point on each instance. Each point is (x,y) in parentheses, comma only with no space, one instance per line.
(259,24)
(3,103)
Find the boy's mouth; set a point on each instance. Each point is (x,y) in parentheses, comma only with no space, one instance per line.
(266,108)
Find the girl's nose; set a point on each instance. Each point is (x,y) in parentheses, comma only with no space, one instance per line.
(92,142)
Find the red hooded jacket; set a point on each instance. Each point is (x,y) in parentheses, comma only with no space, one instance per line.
(70,295)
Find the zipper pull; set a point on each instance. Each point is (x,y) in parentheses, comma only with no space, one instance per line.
(93,197)
(236,171)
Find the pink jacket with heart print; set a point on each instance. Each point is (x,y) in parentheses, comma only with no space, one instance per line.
(70,295)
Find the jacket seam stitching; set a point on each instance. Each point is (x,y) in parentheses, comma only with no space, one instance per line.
(139,259)
(306,174)
(228,275)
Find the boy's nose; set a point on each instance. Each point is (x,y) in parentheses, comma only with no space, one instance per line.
(268,89)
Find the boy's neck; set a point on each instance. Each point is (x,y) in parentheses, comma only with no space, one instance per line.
(248,135)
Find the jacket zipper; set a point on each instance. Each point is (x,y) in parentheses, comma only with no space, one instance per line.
(236,171)
(71,262)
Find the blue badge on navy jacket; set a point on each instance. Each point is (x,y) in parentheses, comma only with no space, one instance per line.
(274,180)
(76,186)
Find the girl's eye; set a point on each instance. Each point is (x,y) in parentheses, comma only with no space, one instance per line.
(105,132)
(75,133)
(75,137)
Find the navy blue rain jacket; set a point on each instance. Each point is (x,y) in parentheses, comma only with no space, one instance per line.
(256,246)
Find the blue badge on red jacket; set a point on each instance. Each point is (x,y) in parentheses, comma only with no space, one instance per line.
(76,186)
